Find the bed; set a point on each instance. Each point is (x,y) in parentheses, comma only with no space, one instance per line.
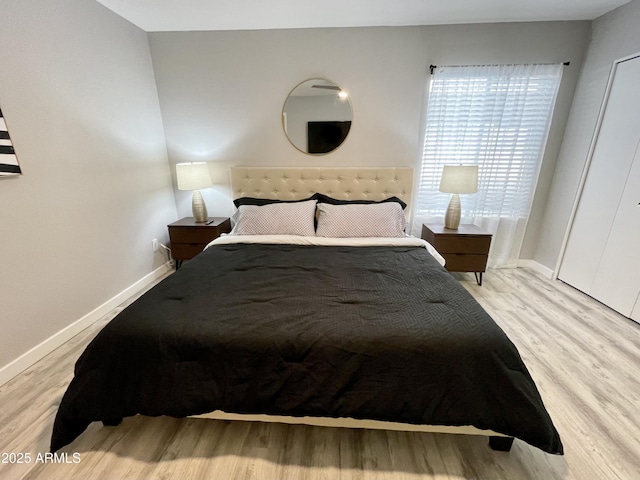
(294,319)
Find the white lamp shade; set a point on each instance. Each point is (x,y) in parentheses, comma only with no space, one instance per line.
(193,176)
(459,179)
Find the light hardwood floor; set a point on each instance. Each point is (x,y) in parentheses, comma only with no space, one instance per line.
(584,357)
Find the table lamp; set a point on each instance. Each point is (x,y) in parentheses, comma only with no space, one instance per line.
(194,176)
(457,179)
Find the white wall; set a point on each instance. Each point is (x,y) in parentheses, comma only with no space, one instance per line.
(614,36)
(221,93)
(78,93)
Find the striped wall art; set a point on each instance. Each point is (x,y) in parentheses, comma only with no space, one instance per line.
(8,160)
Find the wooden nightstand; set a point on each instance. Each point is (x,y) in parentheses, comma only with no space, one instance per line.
(465,249)
(189,238)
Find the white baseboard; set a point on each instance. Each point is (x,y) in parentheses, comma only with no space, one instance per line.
(38,352)
(538,267)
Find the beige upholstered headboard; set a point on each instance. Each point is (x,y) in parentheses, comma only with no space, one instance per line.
(284,183)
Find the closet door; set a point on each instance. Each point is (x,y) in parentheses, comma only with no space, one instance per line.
(602,254)
(617,281)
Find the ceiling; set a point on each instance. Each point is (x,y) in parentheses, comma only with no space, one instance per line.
(189,15)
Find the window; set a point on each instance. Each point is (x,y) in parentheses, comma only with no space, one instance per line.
(496,117)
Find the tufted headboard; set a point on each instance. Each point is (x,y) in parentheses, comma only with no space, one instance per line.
(294,183)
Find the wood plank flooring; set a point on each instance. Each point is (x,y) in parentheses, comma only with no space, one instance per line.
(584,357)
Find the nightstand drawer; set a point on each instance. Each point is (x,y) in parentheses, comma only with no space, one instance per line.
(467,244)
(193,235)
(188,237)
(465,263)
(465,249)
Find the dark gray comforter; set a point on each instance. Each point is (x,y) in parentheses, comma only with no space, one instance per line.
(381,333)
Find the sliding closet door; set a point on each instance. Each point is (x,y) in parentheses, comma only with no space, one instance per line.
(601,257)
(617,281)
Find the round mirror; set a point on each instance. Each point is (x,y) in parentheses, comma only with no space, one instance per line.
(317,116)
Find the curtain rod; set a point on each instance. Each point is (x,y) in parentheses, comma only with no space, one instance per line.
(433,67)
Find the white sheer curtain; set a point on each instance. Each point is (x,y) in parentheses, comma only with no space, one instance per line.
(496,117)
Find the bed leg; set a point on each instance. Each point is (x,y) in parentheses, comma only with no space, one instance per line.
(501,444)
(112,422)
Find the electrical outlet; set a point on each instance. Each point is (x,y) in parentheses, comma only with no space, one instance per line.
(154,243)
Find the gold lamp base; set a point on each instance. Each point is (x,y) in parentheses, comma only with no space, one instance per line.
(198,207)
(452,216)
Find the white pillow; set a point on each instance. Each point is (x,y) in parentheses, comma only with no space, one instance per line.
(360,220)
(276,219)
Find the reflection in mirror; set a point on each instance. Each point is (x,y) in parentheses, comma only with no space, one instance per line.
(317,116)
